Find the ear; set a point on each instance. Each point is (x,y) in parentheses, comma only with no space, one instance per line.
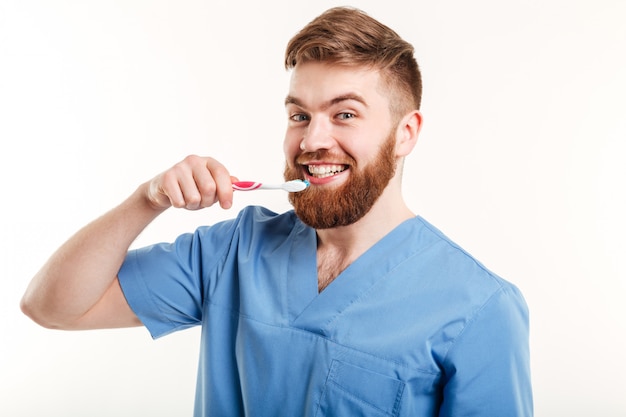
(407,132)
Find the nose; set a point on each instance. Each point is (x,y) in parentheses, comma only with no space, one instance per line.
(317,135)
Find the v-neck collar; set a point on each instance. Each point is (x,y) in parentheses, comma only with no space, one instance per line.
(311,310)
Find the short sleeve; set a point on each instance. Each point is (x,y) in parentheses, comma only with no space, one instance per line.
(164,283)
(487,369)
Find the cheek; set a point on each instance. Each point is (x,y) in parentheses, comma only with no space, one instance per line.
(291,147)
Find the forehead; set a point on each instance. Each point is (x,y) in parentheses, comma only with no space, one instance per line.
(314,83)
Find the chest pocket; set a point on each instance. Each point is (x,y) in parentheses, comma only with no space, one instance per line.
(354,391)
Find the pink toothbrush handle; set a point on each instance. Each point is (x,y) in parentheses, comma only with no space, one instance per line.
(246,185)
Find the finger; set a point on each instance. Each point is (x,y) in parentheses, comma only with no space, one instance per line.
(205,184)
(164,191)
(222,178)
(181,186)
(192,198)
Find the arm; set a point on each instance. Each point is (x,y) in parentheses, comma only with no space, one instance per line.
(78,288)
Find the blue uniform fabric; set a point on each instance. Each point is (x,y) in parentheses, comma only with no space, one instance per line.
(414,327)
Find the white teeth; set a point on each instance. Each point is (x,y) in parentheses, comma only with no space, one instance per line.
(322,171)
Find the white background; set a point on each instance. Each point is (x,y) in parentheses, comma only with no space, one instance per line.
(521,161)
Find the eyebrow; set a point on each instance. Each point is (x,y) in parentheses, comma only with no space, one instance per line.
(331,102)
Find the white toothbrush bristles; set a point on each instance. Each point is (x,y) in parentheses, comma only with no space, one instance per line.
(295,185)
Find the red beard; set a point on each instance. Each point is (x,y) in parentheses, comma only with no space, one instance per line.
(323,208)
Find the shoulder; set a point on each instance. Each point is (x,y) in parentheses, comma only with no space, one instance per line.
(452,260)
(461,281)
(263,215)
(262,220)
(252,223)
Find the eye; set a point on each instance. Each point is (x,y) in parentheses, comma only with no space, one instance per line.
(299,117)
(346,116)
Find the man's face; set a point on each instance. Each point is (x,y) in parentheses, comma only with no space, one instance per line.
(340,138)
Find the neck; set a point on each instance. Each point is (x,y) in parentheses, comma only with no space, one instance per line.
(387,213)
(337,248)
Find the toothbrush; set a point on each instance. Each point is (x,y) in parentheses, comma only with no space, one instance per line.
(290,186)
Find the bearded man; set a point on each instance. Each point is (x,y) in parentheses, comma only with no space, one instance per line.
(350,304)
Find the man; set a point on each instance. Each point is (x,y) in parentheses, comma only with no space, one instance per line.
(348,305)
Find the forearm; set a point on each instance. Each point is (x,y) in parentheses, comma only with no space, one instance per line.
(81,271)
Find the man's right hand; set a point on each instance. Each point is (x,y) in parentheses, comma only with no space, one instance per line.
(194,183)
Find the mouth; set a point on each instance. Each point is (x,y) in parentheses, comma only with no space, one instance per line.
(324,170)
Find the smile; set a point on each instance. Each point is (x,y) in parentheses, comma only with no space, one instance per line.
(324,171)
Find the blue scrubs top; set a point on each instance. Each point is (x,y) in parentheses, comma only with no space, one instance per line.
(414,327)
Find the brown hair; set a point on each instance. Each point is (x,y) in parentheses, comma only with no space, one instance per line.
(348,36)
